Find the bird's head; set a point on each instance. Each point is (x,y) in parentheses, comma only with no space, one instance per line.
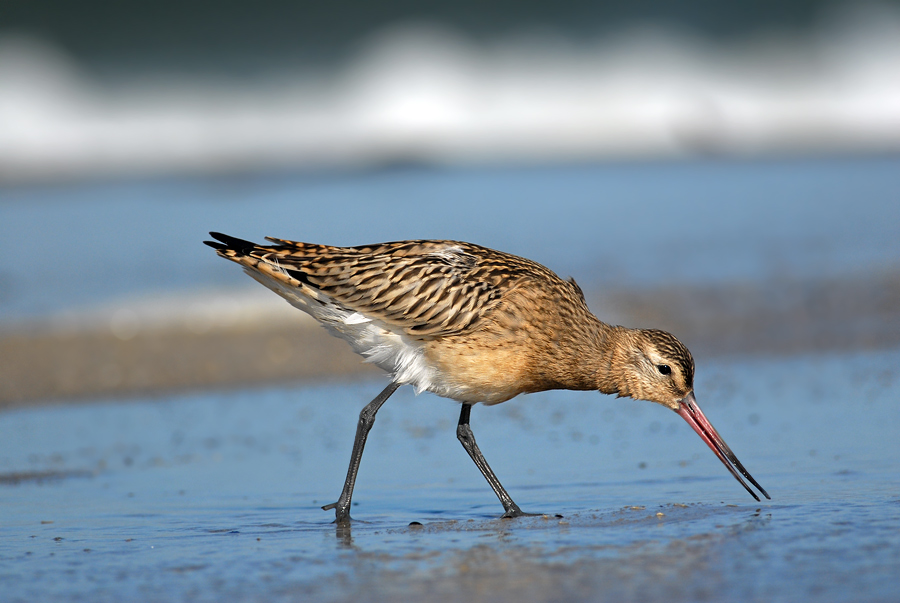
(657,367)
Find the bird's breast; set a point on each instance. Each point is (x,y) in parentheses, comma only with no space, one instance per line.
(472,372)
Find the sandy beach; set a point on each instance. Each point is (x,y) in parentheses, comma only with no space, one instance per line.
(87,358)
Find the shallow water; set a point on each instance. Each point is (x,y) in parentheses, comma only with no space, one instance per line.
(608,225)
(216,496)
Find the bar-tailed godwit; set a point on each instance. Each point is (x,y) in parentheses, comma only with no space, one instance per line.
(474,325)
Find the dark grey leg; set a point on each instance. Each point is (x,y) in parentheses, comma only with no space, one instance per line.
(366,420)
(467,439)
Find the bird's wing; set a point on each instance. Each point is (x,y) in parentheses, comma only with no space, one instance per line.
(426,288)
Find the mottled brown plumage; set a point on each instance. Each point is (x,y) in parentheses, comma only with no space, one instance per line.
(468,323)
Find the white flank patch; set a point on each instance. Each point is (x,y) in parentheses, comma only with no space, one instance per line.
(390,351)
(356,318)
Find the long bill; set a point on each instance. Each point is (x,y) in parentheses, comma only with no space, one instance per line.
(691,413)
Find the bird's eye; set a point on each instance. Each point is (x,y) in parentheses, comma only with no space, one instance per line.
(663,369)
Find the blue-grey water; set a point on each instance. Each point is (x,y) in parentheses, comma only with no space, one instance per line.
(215,495)
(693,222)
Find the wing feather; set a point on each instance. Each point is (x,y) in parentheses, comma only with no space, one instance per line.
(425,288)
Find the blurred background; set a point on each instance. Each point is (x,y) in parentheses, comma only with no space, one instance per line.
(726,170)
(112,89)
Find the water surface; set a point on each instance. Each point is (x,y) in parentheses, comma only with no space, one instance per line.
(216,496)
(608,225)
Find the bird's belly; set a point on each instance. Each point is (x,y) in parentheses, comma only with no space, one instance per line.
(473,374)
(489,370)
(452,370)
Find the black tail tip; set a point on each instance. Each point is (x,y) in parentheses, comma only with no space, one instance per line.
(229,242)
(216,245)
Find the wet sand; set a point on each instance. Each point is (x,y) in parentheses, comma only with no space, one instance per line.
(216,496)
(42,363)
(195,495)
(182,451)
(46,365)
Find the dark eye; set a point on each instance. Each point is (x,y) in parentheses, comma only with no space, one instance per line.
(663,369)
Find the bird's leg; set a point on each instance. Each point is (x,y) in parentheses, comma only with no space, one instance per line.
(366,420)
(467,439)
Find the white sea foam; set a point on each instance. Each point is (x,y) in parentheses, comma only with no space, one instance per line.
(424,93)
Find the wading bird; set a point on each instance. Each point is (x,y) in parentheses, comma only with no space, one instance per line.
(474,325)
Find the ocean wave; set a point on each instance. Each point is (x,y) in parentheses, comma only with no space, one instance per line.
(423,93)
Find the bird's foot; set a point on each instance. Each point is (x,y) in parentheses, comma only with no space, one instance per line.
(509,515)
(341,512)
(514,511)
